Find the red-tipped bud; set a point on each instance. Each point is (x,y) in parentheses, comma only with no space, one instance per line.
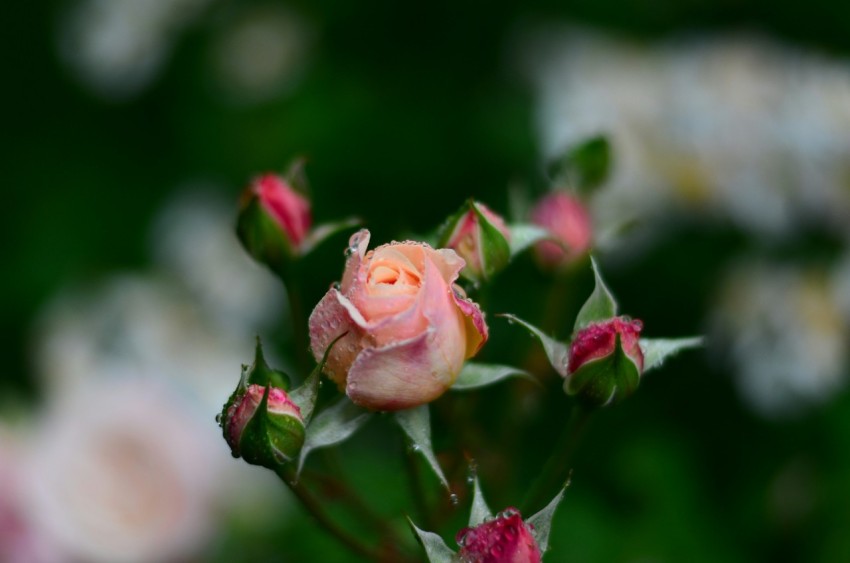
(263,426)
(606,361)
(480,237)
(504,539)
(274,220)
(568,220)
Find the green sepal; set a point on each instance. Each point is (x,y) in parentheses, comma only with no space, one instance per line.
(479,512)
(656,350)
(263,238)
(321,233)
(600,306)
(261,373)
(435,548)
(541,522)
(306,394)
(416,424)
(557,352)
(604,381)
(333,426)
(495,250)
(524,236)
(585,165)
(475,375)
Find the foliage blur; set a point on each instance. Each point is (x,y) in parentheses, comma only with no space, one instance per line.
(404,112)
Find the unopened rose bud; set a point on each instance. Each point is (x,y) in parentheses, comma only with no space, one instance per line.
(567,219)
(605,361)
(480,237)
(263,426)
(274,220)
(505,539)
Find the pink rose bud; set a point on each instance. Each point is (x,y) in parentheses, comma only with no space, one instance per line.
(605,361)
(505,539)
(409,328)
(481,238)
(567,219)
(273,221)
(269,436)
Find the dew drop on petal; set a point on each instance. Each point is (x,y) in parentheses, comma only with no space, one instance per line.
(454,499)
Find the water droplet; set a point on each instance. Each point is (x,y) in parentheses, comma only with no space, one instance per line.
(462,536)
(218,418)
(496,550)
(336,286)
(454,499)
(508,512)
(415,448)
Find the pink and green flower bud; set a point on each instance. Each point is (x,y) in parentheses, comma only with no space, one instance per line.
(263,426)
(504,539)
(568,220)
(481,238)
(605,361)
(274,220)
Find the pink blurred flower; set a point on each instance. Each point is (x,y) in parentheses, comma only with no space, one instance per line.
(409,328)
(568,220)
(505,539)
(120,472)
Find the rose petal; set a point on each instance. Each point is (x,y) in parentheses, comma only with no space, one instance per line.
(399,376)
(357,245)
(477,332)
(331,317)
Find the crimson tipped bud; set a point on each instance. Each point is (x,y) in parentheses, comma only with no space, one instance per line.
(480,237)
(274,220)
(504,539)
(605,361)
(263,426)
(568,220)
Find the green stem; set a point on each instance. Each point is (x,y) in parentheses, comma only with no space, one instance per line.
(557,469)
(315,509)
(298,319)
(416,487)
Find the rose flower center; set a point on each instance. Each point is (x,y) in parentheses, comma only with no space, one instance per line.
(400,278)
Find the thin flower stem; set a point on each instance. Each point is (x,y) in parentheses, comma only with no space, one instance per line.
(298,319)
(312,506)
(557,470)
(416,487)
(353,500)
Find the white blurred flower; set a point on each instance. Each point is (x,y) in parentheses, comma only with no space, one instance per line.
(734,125)
(261,53)
(194,238)
(117,47)
(120,471)
(128,462)
(785,337)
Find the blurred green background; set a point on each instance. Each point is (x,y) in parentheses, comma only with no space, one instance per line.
(403,112)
